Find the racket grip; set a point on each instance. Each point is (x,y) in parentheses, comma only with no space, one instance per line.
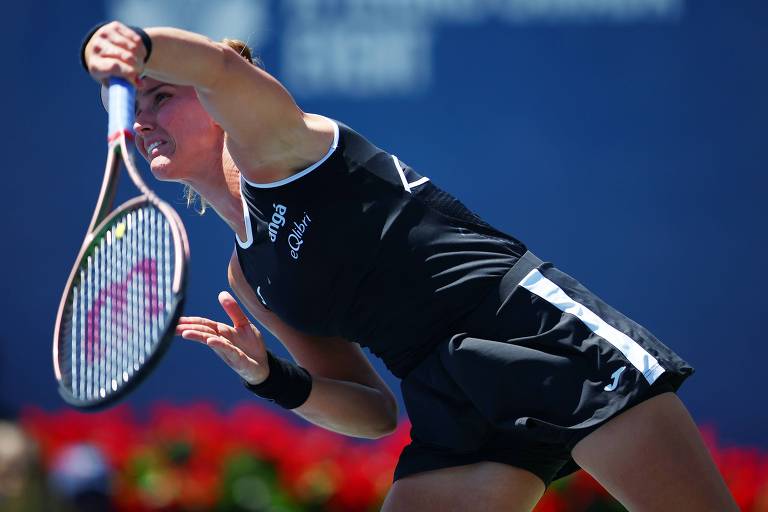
(122,96)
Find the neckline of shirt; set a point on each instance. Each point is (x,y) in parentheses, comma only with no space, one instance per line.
(302,173)
(247,216)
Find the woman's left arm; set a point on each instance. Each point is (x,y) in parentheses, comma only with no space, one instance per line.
(346,395)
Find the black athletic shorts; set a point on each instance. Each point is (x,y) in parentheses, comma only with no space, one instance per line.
(540,364)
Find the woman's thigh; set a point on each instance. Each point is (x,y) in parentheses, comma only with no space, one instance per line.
(652,457)
(480,486)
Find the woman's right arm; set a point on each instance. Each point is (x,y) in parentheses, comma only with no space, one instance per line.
(261,119)
(347,395)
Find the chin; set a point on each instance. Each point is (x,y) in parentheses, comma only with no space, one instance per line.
(162,169)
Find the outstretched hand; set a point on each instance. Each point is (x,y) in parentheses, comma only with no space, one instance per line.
(240,345)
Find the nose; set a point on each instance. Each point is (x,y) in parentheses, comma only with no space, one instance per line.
(143,123)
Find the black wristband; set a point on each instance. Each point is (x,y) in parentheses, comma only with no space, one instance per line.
(87,38)
(144,39)
(288,384)
(139,32)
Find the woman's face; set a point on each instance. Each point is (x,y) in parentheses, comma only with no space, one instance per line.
(174,133)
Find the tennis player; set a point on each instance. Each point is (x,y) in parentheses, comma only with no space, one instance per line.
(513,373)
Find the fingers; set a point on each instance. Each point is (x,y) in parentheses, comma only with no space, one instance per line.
(209,327)
(198,320)
(119,54)
(233,310)
(195,327)
(224,347)
(115,50)
(195,335)
(217,343)
(202,329)
(241,349)
(113,40)
(127,33)
(247,368)
(214,341)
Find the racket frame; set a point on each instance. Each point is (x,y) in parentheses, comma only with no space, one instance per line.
(120,151)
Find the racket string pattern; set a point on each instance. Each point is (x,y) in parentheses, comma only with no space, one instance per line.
(125,292)
(119,303)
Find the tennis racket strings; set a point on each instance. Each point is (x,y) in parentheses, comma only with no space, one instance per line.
(125,293)
(120,303)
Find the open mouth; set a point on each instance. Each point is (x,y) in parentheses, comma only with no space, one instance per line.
(153,149)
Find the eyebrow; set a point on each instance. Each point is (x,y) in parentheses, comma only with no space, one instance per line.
(144,94)
(152,89)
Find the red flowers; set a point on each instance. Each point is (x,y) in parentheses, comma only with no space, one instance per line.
(194,458)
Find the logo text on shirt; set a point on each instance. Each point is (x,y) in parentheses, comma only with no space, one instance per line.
(296,238)
(278,219)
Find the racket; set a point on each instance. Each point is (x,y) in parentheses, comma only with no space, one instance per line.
(125,293)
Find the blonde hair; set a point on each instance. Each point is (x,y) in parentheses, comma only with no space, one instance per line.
(195,200)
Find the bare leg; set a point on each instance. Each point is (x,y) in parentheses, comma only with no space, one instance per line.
(481,486)
(652,458)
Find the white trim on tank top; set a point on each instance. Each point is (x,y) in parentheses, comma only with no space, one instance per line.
(306,171)
(246,215)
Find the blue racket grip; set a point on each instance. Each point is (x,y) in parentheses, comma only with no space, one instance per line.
(122,97)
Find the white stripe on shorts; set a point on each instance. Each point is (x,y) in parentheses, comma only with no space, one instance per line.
(536,283)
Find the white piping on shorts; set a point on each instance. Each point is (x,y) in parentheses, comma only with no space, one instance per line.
(407,186)
(645,363)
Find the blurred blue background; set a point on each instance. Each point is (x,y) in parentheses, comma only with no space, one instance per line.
(624,140)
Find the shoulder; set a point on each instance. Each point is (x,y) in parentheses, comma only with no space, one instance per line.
(293,149)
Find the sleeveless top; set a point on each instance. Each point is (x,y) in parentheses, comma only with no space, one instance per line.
(361,246)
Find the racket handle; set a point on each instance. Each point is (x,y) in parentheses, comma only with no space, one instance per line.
(122,96)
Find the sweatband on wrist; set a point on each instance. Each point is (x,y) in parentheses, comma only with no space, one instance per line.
(288,384)
(145,39)
(87,38)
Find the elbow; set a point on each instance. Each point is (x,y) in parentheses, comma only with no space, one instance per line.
(378,431)
(379,422)
(218,73)
(388,423)
(385,429)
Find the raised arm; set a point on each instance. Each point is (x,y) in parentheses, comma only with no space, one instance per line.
(260,117)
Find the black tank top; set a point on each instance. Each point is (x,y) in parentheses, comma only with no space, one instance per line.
(361,246)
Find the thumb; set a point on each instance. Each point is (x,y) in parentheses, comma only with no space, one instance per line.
(233,310)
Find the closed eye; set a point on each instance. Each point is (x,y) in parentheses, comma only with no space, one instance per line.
(159,97)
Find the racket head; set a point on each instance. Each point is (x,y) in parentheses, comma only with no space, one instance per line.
(121,304)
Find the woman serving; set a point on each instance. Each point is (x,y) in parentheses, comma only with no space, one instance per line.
(513,373)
